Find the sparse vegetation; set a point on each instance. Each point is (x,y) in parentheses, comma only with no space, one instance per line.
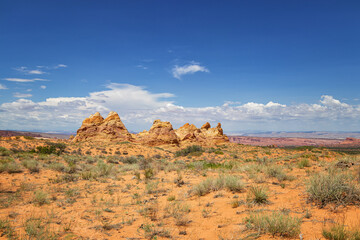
(332,187)
(194,150)
(340,232)
(276,223)
(150,187)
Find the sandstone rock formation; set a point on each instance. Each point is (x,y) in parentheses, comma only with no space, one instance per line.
(97,128)
(160,133)
(204,135)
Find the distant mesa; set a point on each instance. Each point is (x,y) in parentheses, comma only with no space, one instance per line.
(96,128)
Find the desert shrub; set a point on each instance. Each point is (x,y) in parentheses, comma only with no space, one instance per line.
(88,175)
(332,187)
(32,165)
(257,195)
(277,172)
(6,229)
(232,183)
(37,228)
(303,163)
(151,187)
(148,173)
(193,150)
(203,164)
(113,159)
(40,198)
(104,170)
(57,166)
(4,151)
(179,212)
(129,160)
(10,167)
(339,232)
(276,223)
(29,137)
(204,187)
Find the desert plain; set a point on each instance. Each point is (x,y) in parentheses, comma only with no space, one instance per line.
(165,183)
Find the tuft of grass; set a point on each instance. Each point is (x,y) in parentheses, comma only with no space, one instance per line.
(32,165)
(41,198)
(333,187)
(277,172)
(276,223)
(303,163)
(257,195)
(230,182)
(6,229)
(4,152)
(179,212)
(340,232)
(233,183)
(10,166)
(38,228)
(57,166)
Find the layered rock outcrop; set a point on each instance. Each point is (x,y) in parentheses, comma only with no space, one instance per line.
(112,129)
(204,135)
(160,133)
(96,127)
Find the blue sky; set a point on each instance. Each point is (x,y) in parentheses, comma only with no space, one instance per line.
(252,65)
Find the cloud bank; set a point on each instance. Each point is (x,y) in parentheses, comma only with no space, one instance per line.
(138,108)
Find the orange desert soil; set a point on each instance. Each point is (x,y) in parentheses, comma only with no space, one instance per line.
(124,190)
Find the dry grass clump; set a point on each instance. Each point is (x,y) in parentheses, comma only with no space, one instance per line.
(32,165)
(230,182)
(41,198)
(340,232)
(277,172)
(276,223)
(179,212)
(10,166)
(332,187)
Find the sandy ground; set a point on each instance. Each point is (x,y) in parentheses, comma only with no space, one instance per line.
(123,200)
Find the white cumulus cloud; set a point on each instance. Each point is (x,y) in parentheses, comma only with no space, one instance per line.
(192,68)
(2,87)
(43,87)
(138,108)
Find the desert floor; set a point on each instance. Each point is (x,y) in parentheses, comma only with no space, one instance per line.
(55,189)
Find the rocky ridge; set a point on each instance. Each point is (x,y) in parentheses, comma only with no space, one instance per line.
(96,128)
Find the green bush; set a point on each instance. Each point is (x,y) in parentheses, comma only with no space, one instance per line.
(51,148)
(192,150)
